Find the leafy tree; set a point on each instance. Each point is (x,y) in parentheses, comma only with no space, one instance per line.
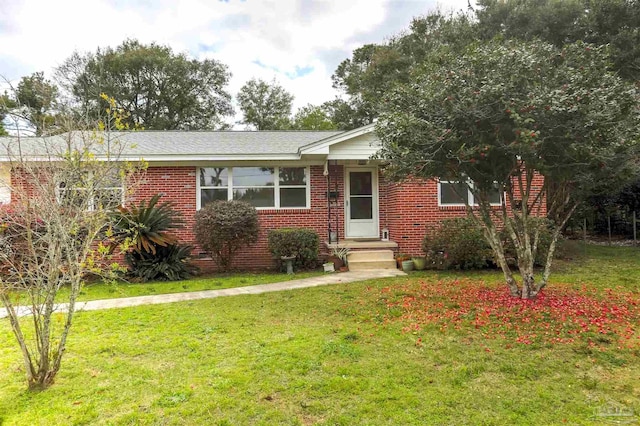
(313,117)
(499,114)
(374,69)
(265,105)
(48,239)
(156,88)
(346,115)
(37,97)
(6,104)
(600,22)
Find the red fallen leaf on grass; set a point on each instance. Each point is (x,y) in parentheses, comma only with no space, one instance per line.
(559,315)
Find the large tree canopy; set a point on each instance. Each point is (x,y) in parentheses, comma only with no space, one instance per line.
(313,117)
(267,106)
(600,22)
(500,113)
(374,69)
(157,88)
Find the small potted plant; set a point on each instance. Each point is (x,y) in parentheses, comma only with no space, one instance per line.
(419,263)
(328,267)
(401,257)
(343,254)
(339,257)
(407,265)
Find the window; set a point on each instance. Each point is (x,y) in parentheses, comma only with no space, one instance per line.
(262,187)
(455,193)
(214,184)
(255,185)
(293,186)
(106,193)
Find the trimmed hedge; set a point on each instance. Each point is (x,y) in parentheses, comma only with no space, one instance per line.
(300,242)
(456,244)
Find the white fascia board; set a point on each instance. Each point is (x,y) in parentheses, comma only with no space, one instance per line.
(348,157)
(204,157)
(313,147)
(178,158)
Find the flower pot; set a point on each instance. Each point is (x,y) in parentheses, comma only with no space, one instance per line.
(344,269)
(407,265)
(337,262)
(328,267)
(401,258)
(419,263)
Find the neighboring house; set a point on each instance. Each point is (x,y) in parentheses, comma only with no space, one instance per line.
(323,180)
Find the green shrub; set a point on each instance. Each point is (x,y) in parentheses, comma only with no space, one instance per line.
(147,230)
(224,227)
(146,226)
(299,242)
(168,263)
(456,244)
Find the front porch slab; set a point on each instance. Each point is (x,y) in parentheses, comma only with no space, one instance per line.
(362,244)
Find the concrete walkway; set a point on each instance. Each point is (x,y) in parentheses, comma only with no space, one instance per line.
(327,279)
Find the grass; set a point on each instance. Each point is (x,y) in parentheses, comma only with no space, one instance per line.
(101,290)
(331,355)
(600,266)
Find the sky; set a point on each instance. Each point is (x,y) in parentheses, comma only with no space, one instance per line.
(299,43)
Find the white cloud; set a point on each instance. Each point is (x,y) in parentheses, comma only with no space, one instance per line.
(283,36)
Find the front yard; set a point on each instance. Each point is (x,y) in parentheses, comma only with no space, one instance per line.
(425,349)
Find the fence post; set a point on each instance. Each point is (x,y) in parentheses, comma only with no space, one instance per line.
(635,229)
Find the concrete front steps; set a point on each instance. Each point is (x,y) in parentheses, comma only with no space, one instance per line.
(360,260)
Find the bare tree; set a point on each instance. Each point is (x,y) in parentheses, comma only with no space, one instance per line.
(55,232)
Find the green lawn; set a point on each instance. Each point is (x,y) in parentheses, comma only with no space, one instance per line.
(342,354)
(100,290)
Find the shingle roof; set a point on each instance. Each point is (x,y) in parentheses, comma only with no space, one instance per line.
(168,143)
(222,142)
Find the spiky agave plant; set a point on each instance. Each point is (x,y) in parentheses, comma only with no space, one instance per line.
(146,226)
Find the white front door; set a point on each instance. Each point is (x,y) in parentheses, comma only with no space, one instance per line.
(361,203)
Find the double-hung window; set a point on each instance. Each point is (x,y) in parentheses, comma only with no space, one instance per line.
(92,192)
(262,187)
(457,193)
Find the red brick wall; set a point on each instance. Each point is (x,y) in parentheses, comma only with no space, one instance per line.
(413,205)
(405,209)
(178,184)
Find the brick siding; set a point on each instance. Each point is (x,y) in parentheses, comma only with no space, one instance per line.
(405,209)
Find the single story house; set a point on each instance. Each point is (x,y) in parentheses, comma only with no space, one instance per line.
(323,180)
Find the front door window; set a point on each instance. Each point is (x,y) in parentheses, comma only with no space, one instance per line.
(361,195)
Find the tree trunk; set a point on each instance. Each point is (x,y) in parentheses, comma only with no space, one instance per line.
(491,235)
(17,331)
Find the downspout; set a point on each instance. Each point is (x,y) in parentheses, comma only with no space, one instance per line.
(326,173)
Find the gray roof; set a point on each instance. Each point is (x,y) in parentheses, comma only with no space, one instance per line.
(179,143)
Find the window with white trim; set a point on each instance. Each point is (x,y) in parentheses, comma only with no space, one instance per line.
(456,193)
(106,193)
(262,187)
